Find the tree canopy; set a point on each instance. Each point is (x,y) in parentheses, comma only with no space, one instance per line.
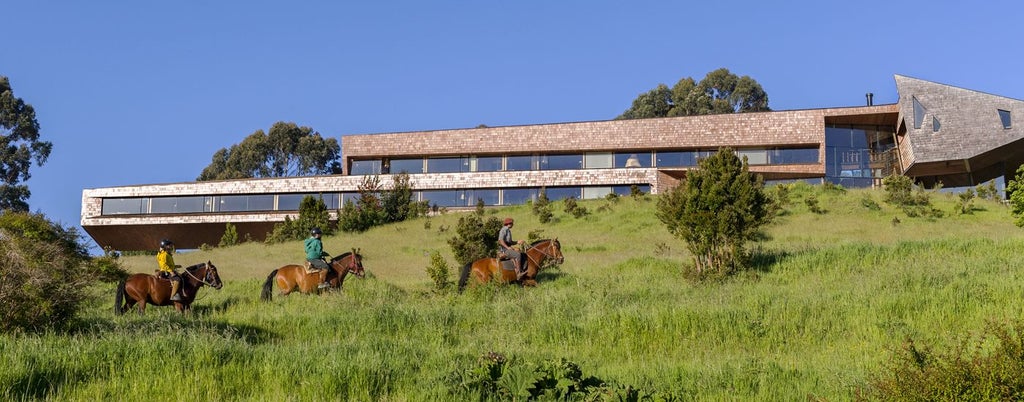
(19,146)
(719,92)
(286,150)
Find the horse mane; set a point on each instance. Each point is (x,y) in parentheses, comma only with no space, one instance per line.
(341,256)
(535,243)
(194,267)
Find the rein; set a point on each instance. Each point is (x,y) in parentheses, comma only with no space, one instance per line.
(537,261)
(203,281)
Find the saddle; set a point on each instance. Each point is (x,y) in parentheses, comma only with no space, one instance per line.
(310,269)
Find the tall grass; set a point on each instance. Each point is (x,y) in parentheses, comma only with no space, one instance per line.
(832,293)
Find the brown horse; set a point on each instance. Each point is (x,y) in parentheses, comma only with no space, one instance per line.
(140,289)
(292,277)
(486,269)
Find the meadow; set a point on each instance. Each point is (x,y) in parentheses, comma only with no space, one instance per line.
(831,296)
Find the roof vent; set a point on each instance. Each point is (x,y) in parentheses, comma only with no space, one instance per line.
(870,96)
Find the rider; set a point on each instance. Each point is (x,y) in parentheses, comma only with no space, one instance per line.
(508,246)
(165,261)
(315,254)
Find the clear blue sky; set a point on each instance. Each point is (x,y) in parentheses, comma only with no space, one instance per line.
(135,92)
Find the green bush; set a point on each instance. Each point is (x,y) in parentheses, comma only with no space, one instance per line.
(312,214)
(474,238)
(542,207)
(1015,192)
(439,271)
(575,209)
(988,368)
(230,236)
(45,271)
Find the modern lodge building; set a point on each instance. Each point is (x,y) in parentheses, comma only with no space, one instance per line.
(934,133)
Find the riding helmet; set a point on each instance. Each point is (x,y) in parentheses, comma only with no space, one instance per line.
(315,231)
(166,243)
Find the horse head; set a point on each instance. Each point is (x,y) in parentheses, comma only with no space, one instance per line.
(206,274)
(354,264)
(556,251)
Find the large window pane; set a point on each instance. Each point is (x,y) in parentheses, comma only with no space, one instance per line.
(444,198)
(487,163)
(178,205)
(518,196)
(561,193)
(519,163)
(365,167)
(489,196)
(676,158)
(628,190)
(561,162)
(238,203)
(793,156)
(633,159)
(447,165)
(754,156)
(119,206)
(590,193)
(599,160)
(411,166)
(291,202)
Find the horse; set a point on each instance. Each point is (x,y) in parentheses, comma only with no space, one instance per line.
(145,288)
(486,269)
(292,277)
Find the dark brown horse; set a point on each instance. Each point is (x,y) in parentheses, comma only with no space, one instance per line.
(140,289)
(292,277)
(486,269)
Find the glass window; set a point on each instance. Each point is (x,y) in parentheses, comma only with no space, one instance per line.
(792,156)
(598,160)
(447,165)
(754,156)
(561,162)
(590,193)
(935,124)
(487,163)
(291,202)
(410,166)
(518,196)
(1004,117)
(561,193)
(235,203)
(628,190)
(490,196)
(444,198)
(119,206)
(919,112)
(633,159)
(178,205)
(519,163)
(365,167)
(676,158)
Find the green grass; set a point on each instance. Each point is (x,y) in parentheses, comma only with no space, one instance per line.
(832,295)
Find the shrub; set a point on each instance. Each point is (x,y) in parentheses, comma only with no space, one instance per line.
(575,209)
(474,238)
(988,191)
(869,203)
(45,270)
(965,202)
(439,271)
(230,236)
(542,207)
(988,368)
(716,211)
(1015,191)
(812,204)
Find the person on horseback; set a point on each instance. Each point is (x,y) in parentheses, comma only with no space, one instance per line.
(165,263)
(508,247)
(315,255)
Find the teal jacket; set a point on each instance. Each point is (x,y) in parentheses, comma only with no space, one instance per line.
(314,249)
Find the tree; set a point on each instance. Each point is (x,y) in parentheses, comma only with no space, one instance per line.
(716,211)
(19,146)
(474,238)
(287,150)
(312,214)
(719,92)
(1015,192)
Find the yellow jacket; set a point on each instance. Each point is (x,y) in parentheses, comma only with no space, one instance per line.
(165,261)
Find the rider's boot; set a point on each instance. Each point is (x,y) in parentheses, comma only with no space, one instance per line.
(175,296)
(324,284)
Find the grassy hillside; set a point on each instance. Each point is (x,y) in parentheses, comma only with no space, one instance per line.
(832,295)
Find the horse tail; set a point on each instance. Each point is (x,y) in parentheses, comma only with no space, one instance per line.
(464,276)
(119,298)
(268,287)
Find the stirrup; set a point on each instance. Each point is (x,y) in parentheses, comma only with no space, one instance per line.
(323,285)
(177,297)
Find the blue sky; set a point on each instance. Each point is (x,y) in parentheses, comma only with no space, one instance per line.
(146,92)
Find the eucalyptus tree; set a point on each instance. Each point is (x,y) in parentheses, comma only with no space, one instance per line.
(719,92)
(19,146)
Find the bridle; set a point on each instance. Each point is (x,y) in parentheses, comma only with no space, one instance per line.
(206,278)
(551,244)
(353,264)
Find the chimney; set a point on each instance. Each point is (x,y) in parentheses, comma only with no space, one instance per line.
(870,95)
